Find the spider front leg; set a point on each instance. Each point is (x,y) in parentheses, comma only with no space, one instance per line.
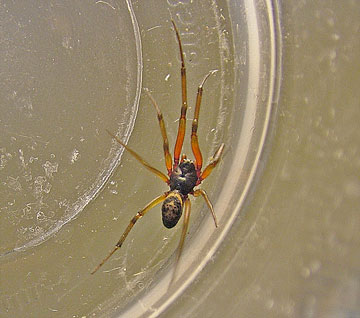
(194,138)
(138,215)
(182,120)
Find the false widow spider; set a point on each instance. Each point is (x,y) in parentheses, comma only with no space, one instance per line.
(183,175)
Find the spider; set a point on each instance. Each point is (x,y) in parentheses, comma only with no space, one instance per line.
(183,175)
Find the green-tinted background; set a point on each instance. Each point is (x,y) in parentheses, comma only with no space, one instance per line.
(293,248)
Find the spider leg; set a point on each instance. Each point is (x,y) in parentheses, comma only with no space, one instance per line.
(168,160)
(194,138)
(138,215)
(140,159)
(182,121)
(187,211)
(213,163)
(208,202)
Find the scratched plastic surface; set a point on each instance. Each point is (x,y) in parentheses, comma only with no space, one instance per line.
(285,194)
(55,108)
(69,71)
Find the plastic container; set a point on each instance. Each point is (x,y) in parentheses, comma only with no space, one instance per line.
(285,193)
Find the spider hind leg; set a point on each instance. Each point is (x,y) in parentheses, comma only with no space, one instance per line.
(132,222)
(187,211)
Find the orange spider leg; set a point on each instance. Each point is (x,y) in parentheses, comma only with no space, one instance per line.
(194,138)
(140,159)
(138,215)
(187,211)
(208,202)
(168,160)
(182,121)
(212,164)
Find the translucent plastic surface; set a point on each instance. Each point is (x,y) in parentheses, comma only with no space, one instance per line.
(68,72)
(86,79)
(284,193)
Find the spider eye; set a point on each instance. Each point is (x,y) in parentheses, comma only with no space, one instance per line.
(172,210)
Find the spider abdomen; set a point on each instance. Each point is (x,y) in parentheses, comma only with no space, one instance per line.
(172,209)
(183,178)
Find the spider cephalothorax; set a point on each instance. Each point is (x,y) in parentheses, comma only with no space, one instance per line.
(183,178)
(182,175)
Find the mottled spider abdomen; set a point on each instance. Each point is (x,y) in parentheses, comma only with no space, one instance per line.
(184,178)
(172,209)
